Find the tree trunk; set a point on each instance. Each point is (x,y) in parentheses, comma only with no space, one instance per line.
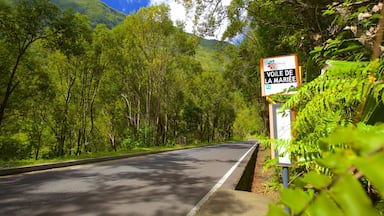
(79,139)
(23,46)
(10,88)
(111,133)
(165,131)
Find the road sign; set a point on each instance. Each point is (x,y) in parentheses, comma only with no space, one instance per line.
(281,123)
(279,74)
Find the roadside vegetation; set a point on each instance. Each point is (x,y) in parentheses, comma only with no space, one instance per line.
(89,155)
(67,89)
(338,147)
(70,88)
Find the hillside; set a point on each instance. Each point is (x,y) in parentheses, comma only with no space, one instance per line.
(97,11)
(210,55)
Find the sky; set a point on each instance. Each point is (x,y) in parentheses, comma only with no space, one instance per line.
(126,6)
(177,12)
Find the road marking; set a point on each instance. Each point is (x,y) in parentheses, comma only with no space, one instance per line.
(218,184)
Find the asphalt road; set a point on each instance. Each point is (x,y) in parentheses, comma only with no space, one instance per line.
(166,184)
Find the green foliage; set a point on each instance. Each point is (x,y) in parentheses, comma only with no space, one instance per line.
(341,191)
(333,145)
(247,123)
(21,27)
(212,107)
(212,44)
(242,72)
(351,32)
(276,27)
(332,100)
(69,90)
(95,10)
(211,59)
(15,147)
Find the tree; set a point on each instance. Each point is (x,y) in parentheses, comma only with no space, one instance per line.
(74,81)
(244,74)
(20,27)
(68,89)
(210,107)
(151,60)
(354,27)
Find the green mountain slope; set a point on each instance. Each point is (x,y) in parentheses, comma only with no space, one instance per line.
(212,44)
(209,54)
(97,11)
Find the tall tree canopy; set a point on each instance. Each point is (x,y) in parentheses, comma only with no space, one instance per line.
(67,88)
(20,27)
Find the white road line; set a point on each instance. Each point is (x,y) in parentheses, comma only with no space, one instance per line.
(218,184)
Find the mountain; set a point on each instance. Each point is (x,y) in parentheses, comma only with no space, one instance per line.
(97,11)
(211,56)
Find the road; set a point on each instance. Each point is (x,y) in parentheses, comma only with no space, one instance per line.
(166,184)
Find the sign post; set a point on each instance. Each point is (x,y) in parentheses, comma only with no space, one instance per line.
(279,75)
(282,131)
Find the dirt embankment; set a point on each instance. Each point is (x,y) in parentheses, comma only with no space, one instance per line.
(260,180)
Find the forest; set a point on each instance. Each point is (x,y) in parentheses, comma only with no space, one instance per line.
(70,89)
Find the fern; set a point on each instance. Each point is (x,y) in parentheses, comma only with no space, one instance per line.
(336,143)
(336,105)
(335,187)
(330,101)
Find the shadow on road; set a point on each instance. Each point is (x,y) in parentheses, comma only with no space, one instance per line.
(163,184)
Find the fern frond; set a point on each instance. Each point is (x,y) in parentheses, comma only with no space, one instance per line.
(328,102)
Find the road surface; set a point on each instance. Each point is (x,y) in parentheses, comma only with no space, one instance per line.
(166,184)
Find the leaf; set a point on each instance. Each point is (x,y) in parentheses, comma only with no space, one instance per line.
(324,205)
(316,180)
(295,199)
(274,210)
(350,196)
(368,138)
(338,162)
(342,135)
(328,12)
(372,167)
(362,139)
